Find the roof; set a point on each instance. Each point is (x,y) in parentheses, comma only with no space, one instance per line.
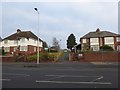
(99,33)
(19,34)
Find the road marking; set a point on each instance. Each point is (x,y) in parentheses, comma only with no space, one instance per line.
(73,82)
(25,75)
(99,78)
(71,76)
(14,75)
(75,69)
(53,78)
(5,79)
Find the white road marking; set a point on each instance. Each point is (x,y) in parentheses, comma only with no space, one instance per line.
(15,75)
(25,75)
(5,79)
(71,76)
(73,82)
(75,69)
(97,79)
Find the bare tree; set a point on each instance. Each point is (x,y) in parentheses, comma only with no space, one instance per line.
(56,44)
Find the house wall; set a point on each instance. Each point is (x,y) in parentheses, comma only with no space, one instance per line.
(95,43)
(85,44)
(23,42)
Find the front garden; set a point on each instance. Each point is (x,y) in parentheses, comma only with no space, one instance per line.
(45,57)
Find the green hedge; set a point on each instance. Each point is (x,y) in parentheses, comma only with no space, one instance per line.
(44,57)
(106,48)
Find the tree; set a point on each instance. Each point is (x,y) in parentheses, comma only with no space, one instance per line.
(71,41)
(55,44)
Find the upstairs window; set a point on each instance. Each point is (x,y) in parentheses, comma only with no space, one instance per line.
(22,40)
(15,41)
(6,41)
(84,41)
(118,39)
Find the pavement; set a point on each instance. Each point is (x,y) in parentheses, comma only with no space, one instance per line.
(73,62)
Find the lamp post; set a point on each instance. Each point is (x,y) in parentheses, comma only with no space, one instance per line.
(38,37)
(60,43)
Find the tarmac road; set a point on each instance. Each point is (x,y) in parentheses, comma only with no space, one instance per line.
(59,75)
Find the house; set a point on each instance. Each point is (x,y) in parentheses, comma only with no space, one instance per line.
(22,42)
(77,48)
(94,40)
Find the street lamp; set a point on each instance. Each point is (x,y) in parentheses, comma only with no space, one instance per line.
(60,43)
(38,37)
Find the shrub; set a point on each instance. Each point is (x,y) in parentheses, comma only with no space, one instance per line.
(32,58)
(45,57)
(106,48)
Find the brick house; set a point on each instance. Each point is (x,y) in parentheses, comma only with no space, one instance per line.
(94,40)
(21,42)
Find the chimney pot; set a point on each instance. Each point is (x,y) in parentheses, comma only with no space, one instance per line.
(18,30)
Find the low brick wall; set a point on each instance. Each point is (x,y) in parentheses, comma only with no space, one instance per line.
(8,59)
(100,57)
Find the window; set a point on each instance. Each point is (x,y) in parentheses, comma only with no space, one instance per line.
(95,47)
(101,42)
(22,39)
(118,39)
(109,40)
(94,40)
(6,41)
(7,49)
(84,40)
(118,47)
(15,48)
(15,41)
(23,48)
(35,49)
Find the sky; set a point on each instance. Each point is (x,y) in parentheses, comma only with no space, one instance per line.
(58,18)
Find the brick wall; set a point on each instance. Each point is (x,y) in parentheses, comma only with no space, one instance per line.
(100,57)
(8,59)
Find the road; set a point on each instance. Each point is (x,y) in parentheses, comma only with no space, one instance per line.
(59,75)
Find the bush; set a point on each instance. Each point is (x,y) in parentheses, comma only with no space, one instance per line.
(106,48)
(2,52)
(32,58)
(45,57)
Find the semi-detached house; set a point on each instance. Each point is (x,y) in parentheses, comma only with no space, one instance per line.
(94,40)
(21,42)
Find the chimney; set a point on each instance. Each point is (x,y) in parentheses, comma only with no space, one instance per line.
(98,30)
(18,30)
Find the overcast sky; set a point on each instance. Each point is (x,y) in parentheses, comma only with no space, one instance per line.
(59,19)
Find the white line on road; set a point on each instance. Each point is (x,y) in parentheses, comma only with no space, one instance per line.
(99,78)
(73,82)
(25,75)
(71,76)
(75,69)
(5,79)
